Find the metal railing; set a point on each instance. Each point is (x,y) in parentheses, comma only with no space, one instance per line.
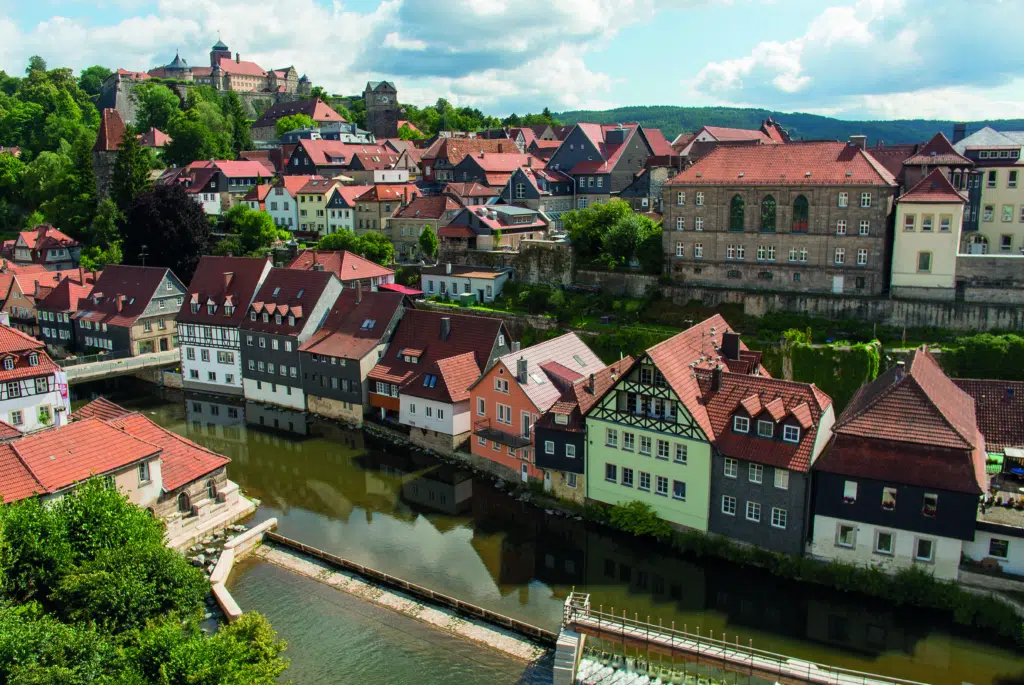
(113,367)
(577,614)
(92,358)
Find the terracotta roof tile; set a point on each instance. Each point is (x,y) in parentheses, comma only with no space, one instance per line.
(181,460)
(344,334)
(335,152)
(314,108)
(933,188)
(136,284)
(998,409)
(111,132)
(431,207)
(568,351)
(576,400)
(382,192)
(347,266)
(938,152)
(100,408)
(285,291)
(458,373)
(16,481)
(211,282)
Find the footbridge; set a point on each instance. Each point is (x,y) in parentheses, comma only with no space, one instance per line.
(100,366)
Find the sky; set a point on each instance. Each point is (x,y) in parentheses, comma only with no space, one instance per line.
(852,59)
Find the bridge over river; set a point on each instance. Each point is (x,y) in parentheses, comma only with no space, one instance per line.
(100,366)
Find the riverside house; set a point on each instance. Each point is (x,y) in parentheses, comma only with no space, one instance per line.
(208,322)
(287,309)
(33,389)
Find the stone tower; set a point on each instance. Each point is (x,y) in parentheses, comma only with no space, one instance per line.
(104,152)
(219,50)
(381,98)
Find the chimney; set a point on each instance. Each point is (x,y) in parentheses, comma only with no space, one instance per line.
(716,378)
(529,161)
(81,275)
(228,276)
(359,292)
(901,367)
(120,302)
(590,384)
(731,346)
(238,58)
(516,346)
(859,141)
(521,370)
(448,268)
(446,327)
(959,132)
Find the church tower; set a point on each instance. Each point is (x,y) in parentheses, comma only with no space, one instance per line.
(381,98)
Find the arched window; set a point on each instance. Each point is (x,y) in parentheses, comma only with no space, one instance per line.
(800,212)
(184,503)
(736,213)
(211,489)
(768,214)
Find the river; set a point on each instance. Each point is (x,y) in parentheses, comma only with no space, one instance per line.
(412,516)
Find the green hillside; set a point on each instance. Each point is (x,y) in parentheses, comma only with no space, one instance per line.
(675,120)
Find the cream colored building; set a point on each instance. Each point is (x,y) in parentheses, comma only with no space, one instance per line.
(929,218)
(996,221)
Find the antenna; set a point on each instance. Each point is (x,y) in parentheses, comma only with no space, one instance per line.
(143,255)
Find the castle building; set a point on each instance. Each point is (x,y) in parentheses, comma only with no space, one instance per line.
(382,109)
(227,73)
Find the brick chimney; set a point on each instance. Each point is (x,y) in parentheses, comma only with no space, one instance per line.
(120,302)
(716,378)
(521,367)
(359,292)
(446,327)
(590,384)
(81,275)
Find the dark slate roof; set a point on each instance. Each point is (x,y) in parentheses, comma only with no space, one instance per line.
(134,286)
(297,293)
(222,280)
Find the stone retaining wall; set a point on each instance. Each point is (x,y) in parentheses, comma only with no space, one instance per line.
(235,549)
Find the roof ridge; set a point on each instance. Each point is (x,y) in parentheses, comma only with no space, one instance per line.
(14,448)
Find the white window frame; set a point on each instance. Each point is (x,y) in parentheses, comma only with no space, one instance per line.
(741,424)
(728,505)
(731,468)
(753,511)
(780,517)
(755,473)
(791,434)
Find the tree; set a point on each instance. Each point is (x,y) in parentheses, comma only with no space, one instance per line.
(157,105)
(377,248)
(254,228)
(170,227)
(292,122)
(105,247)
(192,138)
(35,63)
(408,133)
(343,112)
(318,93)
(342,240)
(131,171)
(92,78)
(586,227)
(239,124)
(428,242)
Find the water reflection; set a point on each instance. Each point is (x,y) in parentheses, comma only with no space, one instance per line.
(430,522)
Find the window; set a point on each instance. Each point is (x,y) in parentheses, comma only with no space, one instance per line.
(755,473)
(731,468)
(501,385)
(645,481)
(190,353)
(736,213)
(680,223)
(680,454)
(754,512)
(645,445)
(698,250)
(728,505)
(570,480)
(840,256)
(987,212)
(611,473)
(679,490)
(778,518)
(930,505)
(627,477)
(864,228)
(1007,213)
(481,407)
(144,472)
(611,437)
(998,548)
(768,214)
(1011,180)
(680,199)
(782,479)
(628,441)
(844,199)
(17,418)
(889,499)
(791,433)
(924,262)
(800,214)
(850,491)
(923,549)
(841,227)
(570,451)
(740,424)
(698,224)
(661,486)
(700,199)
(520,191)
(846,535)
(884,542)
(504,414)
(663,449)
(992,177)
(865,200)
(1005,243)
(945,221)
(549,446)
(862,256)
(765,429)
(680,250)
(926,223)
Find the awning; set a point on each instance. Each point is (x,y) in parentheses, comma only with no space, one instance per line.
(396,288)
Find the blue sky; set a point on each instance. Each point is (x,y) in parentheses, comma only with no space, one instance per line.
(845,58)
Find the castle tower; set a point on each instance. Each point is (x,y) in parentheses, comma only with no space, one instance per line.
(104,152)
(381,98)
(219,50)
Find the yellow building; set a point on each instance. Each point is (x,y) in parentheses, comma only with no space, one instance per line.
(996,221)
(312,199)
(929,220)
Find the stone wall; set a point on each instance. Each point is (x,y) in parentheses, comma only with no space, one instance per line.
(536,261)
(336,409)
(514,321)
(628,283)
(439,442)
(991,278)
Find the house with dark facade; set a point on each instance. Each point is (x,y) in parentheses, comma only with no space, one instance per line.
(265,128)
(492,227)
(336,360)
(208,322)
(55,310)
(131,309)
(560,434)
(286,310)
(494,170)
(546,190)
(471,194)
(898,484)
(47,246)
(767,434)
(327,158)
(444,154)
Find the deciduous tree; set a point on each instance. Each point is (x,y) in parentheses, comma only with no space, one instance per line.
(428,242)
(292,122)
(131,171)
(377,248)
(170,227)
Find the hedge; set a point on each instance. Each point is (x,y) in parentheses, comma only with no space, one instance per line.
(985,356)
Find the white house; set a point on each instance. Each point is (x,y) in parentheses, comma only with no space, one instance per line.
(208,322)
(448,280)
(282,202)
(33,389)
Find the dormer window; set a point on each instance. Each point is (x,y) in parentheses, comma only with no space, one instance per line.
(791,433)
(765,429)
(229,310)
(211,308)
(278,289)
(299,296)
(562,419)
(8,364)
(277,319)
(195,307)
(889,499)
(252,315)
(291,320)
(740,424)
(266,317)
(33,359)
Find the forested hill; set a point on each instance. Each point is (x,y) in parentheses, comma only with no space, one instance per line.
(674,120)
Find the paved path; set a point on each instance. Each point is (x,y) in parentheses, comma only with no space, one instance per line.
(92,371)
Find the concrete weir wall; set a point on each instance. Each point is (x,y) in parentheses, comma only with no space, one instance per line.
(235,549)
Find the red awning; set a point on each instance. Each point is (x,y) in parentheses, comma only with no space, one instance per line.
(396,288)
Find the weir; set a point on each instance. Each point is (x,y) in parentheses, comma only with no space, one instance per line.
(579,617)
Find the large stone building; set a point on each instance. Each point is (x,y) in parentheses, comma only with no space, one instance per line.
(808,217)
(382,109)
(226,73)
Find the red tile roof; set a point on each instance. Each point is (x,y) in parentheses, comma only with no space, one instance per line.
(135,286)
(100,408)
(454,150)
(374,161)
(222,281)
(19,347)
(8,432)
(432,207)
(938,152)
(472,189)
(451,231)
(244,169)
(576,400)
(506,161)
(725,133)
(421,330)
(998,409)
(815,163)
(344,334)
(241,67)
(314,108)
(335,152)
(412,126)
(349,193)
(934,188)
(920,424)
(610,152)
(382,192)
(657,142)
(45,236)
(318,184)
(292,184)
(16,481)
(258,194)
(458,373)
(347,266)
(154,138)
(111,132)
(780,401)
(181,460)
(892,156)
(298,291)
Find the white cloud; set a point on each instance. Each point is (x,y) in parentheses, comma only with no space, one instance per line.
(909,58)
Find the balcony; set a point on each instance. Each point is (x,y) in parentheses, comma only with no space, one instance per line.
(488,431)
